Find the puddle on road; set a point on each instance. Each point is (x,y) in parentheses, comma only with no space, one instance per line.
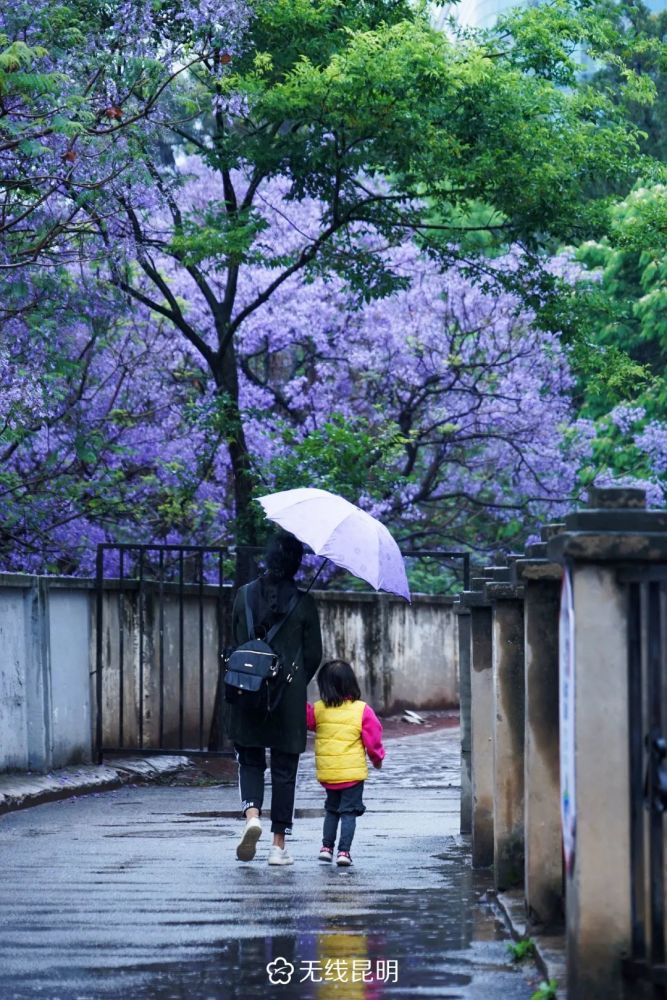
(364,957)
(443,942)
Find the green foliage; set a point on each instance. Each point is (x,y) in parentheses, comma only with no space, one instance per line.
(342,456)
(480,130)
(607,376)
(635,78)
(622,354)
(520,950)
(614,449)
(19,68)
(212,236)
(433,576)
(639,226)
(546,990)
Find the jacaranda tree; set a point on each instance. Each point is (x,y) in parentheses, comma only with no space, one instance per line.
(441,408)
(257,182)
(391,129)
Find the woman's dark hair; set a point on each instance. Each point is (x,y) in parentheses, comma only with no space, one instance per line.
(284,553)
(337,683)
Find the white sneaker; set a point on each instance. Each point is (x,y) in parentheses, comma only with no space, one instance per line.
(247,845)
(280,856)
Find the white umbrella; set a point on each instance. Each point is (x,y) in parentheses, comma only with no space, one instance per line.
(348,536)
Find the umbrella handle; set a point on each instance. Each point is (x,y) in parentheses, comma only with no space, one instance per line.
(322,565)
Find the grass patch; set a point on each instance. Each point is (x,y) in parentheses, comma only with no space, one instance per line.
(546,991)
(519,951)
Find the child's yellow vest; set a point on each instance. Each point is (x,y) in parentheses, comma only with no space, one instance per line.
(339,752)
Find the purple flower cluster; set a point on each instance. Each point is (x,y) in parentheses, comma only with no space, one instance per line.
(114,428)
(625,417)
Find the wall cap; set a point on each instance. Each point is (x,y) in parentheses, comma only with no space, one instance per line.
(504,592)
(538,569)
(609,546)
(474,599)
(29,580)
(626,520)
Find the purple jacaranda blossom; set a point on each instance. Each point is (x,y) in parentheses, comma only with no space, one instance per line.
(655,492)
(625,417)
(652,440)
(131,442)
(73,132)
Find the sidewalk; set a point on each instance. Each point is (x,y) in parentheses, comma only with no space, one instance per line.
(21,790)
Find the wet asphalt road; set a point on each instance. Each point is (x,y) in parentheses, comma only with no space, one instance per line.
(137,894)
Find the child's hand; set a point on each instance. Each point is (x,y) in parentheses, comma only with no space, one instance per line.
(377,765)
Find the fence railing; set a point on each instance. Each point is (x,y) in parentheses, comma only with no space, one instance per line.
(141,594)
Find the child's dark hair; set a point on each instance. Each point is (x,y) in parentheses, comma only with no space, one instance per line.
(337,683)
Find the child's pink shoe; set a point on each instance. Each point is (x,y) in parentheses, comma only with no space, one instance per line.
(343,859)
(326,853)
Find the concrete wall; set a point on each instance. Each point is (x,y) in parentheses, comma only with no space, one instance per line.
(69,666)
(45,704)
(405,656)
(13,695)
(598,909)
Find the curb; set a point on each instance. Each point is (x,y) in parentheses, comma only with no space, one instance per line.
(550,956)
(21,791)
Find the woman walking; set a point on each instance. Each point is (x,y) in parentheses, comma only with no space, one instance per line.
(272,598)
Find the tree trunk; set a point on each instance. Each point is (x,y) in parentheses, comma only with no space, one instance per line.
(227,385)
(226,378)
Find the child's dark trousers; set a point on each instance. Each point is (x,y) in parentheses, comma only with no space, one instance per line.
(343,804)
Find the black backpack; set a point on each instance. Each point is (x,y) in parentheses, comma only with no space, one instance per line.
(255,677)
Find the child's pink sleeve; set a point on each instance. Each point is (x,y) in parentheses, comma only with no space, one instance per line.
(371,735)
(310,717)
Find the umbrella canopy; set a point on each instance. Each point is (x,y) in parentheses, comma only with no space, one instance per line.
(339,531)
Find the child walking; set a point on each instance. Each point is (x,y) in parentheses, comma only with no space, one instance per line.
(346,729)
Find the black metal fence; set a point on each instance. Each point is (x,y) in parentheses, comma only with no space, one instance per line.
(647,707)
(152,692)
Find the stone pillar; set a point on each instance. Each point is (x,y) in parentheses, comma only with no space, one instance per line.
(508,733)
(543,873)
(464,631)
(598,902)
(481,728)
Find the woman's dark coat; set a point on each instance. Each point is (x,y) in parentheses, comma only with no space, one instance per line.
(299,641)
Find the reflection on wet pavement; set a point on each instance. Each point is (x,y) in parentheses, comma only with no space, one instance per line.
(148,901)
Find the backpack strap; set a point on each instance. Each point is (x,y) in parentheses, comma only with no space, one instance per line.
(296,599)
(250,622)
(271,634)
